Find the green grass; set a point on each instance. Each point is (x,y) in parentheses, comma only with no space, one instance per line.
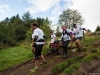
(90,40)
(72,62)
(71,68)
(59,67)
(13,56)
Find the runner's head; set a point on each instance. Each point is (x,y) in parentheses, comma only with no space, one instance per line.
(51,32)
(74,26)
(63,27)
(34,26)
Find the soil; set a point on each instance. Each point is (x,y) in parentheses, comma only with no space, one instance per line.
(52,60)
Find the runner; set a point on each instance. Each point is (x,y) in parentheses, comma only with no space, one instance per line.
(39,40)
(72,41)
(33,49)
(78,35)
(53,38)
(65,39)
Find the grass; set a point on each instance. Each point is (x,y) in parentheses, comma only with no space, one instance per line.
(59,67)
(90,40)
(70,65)
(71,68)
(94,51)
(13,56)
(72,62)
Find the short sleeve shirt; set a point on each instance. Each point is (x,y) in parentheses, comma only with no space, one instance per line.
(78,31)
(53,36)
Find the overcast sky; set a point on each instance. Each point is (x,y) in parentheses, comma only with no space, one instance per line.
(89,9)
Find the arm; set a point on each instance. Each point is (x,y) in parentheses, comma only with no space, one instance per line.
(87,31)
(54,36)
(34,36)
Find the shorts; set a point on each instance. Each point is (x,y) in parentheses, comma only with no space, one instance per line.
(38,51)
(34,45)
(78,38)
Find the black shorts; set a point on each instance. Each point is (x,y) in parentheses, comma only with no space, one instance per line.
(34,45)
(78,38)
(38,51)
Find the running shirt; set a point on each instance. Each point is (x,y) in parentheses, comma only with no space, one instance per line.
(78,31)
(66,36)
(53,36)
(40,35)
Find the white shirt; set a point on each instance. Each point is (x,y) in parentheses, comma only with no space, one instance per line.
(66,36)
(39,33)
(78,31)
(53,36)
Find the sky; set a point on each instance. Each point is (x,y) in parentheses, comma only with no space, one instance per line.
(89,9)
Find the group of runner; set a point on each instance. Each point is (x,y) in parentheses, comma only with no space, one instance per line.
(68,35)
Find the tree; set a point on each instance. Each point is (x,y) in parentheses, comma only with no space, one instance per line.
(98,28)
(69,17)
(27,20)
(46,27)
(58,33)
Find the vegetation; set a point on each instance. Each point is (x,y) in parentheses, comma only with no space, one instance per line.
(14,30)
(69,17)
(16,33)
(69,66)
(14,56)
(98,28)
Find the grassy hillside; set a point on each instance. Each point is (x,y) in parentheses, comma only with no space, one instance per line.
(76,63)
(14,56)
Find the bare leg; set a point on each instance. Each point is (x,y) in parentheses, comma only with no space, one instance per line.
(77,42)
(36,63)
(43,58)
(33,50)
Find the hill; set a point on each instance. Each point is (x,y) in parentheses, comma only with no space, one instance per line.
(86,62)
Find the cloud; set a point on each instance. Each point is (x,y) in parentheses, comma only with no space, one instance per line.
(90,10)
(56,12)
(41,5)
(4,7)
(53,7)
(58,8)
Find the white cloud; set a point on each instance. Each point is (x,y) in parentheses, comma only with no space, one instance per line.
(68,3)
(41,5)
(90,10)
(4,7)
(54,7)
(58,9)
(56,12)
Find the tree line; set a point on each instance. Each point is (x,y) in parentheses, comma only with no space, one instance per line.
(14,30)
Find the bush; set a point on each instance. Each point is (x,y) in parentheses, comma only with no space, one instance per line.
(94,51)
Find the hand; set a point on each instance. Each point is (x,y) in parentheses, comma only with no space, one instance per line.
(73,36)
(45,42)
(89,34)
(31,45)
